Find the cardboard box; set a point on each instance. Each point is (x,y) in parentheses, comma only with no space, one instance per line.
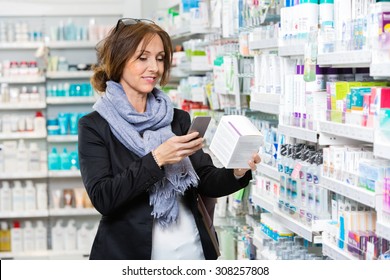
(235,141)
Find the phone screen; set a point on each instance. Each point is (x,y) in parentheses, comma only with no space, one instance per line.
(200,125)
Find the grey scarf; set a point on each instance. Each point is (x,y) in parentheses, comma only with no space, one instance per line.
(142,133)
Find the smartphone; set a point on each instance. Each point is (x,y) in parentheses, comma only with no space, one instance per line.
(200,124)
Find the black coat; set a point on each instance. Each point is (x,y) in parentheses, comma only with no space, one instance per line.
(117,182)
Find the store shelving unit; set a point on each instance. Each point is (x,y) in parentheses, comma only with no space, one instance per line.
(263,202)
(23,106)
(64,174)
(266,44)
(383,230)
(24,214)
(353,192)
(268,171)
(365,134)
(333,252)
(358,58)
(24,175)
(266,103)
(70,100)
(292,50)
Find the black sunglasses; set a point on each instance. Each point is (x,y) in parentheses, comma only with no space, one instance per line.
(131,21)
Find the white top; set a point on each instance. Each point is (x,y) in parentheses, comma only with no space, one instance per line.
(179,241)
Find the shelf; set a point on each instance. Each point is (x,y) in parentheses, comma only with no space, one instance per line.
(382,150)
(23,79)
(335,253)
(358,58)
(309,233)
(263,202)
(69,75)
(292,50)
(383,230)
(195,68)
(269,171)
(380,69)
(189,31)
(62,138)
(314,136)
(23,175)
(48,254)
(24,214)
(23,106)
(264,44)
(266,103)
(353,192)
(22,135)
(65,174)
(63,212)
(299,133)
(356,132)
(20,45)
(71,44)
(63,100)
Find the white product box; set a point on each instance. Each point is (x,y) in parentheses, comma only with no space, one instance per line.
(235,141)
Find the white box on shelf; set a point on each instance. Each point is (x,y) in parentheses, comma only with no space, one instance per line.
(235,140)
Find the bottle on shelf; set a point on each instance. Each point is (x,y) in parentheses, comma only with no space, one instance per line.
(16,237)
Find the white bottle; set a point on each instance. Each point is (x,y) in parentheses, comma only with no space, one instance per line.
(30,203)
(70,236)
(41,189)
(17,197)
(83,240)
(57,237)
(40,237)
(6,202)
(22,156)
(39,123)
(16,237)
(28,237)
(34,157)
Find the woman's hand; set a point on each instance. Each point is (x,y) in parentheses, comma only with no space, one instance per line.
(177,147)
(252,164)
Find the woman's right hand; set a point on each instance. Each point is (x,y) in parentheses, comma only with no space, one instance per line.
(177,147)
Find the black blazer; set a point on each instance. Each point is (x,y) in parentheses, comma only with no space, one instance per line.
(117,182)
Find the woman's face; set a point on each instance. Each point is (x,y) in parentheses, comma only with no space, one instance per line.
(141,73)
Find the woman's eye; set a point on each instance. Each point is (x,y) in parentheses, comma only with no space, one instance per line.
(160,58)
(143,58)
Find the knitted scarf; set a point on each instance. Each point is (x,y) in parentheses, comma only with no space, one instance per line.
(143,132)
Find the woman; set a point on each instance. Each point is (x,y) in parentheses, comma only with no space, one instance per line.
(141,170)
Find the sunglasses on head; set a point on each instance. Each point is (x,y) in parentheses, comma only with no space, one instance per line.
(131,21)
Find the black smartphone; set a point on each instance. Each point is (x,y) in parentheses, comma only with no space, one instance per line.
(200,124)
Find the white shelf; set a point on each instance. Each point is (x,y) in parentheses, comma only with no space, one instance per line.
(299,133)
(23,106)
(356,132)
(23,175)
(264,44)
(358,58)
(314,136)
(69,75)
(267,103)
(20,45)
(297,227)
(62,100)
(24,214)
(382,150)
(23,79)
(292,50)
(383,230)
(195,68)
(64,212)
(190,30)
(269,171)
(62,138)
(335,253)
(65,174)
(71,44)
(380,69)
(48,254)
(263,202)
(22,135)
(358,194)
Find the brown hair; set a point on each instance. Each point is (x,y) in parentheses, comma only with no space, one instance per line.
(120,45)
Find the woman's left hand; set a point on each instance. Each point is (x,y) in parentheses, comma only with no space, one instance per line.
(252,164)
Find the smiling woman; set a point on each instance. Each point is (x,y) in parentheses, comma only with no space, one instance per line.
(143,172)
